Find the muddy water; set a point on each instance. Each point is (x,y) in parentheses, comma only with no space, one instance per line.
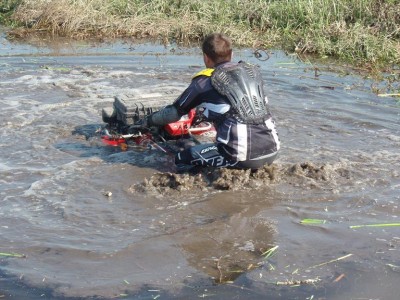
(167,236)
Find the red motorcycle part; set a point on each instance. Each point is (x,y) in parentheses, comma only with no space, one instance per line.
(182,126)
(143,140)
(112,141)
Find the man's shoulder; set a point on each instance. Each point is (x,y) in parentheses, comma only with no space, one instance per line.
(205,72)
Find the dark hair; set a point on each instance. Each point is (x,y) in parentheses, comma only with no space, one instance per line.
(218,47)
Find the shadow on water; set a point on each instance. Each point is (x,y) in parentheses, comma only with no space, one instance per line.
(15,288)
(88,143)
(242,288)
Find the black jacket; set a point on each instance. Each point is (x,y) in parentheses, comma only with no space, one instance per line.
(236,141)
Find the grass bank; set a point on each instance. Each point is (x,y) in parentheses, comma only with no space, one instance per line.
(363,32)
(7,8)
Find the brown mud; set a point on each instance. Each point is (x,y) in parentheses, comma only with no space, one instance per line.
(233,179)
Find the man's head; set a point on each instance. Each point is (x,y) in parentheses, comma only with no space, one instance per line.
(217,48)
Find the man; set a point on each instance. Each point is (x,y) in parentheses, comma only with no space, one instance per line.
(232,97)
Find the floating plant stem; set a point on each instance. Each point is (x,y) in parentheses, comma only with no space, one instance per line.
(267,254)
(331,261)
(12,255)
(312,221)
(376,225)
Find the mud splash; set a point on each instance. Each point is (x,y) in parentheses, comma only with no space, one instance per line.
(233,179)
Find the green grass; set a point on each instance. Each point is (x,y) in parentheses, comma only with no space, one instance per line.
(7,8)
(363,32)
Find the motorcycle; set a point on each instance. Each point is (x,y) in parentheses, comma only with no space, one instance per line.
(121,127)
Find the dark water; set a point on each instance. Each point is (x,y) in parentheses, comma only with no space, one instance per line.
(339,163)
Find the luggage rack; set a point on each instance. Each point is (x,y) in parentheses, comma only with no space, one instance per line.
(131,110)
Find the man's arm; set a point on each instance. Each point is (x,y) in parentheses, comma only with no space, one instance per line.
(168,114)
(181,106)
